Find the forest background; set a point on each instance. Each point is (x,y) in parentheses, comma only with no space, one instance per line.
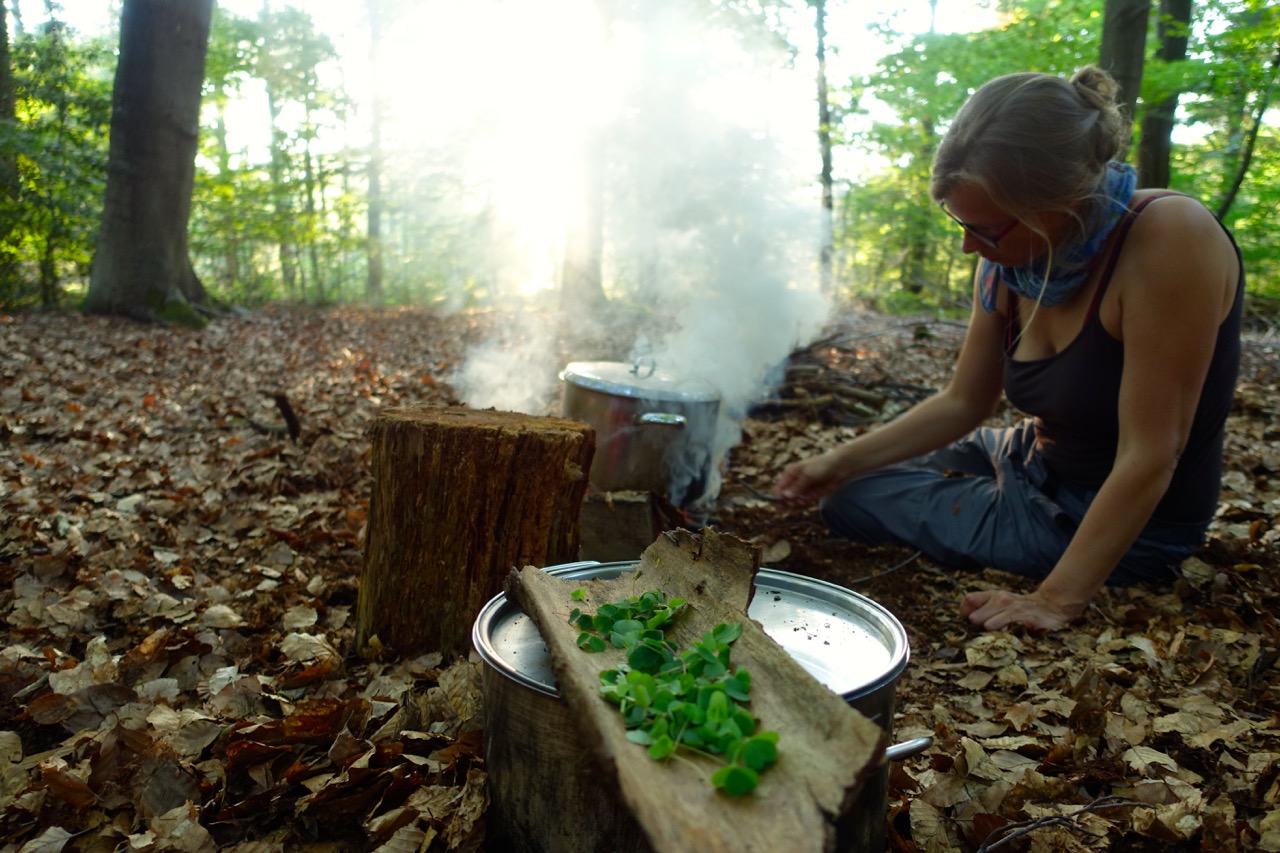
(179,572)
(611,146)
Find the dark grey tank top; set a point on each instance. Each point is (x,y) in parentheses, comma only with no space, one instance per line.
(1073,398)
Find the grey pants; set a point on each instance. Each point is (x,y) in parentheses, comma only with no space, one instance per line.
(989,500)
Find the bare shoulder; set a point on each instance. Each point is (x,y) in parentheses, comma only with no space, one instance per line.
(1176,222)
(1176,247)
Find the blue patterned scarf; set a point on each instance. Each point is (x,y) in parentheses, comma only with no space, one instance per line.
(1072,261)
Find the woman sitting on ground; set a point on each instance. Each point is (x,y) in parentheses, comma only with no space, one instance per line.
(1110,315)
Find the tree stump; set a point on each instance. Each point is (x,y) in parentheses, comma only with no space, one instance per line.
(461,497)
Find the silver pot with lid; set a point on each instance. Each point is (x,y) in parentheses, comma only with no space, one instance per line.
(547,795)
(655,430)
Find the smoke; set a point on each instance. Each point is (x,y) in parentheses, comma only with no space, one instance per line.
(509,373)
(709,224)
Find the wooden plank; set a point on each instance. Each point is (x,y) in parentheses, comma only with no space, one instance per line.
(826,748)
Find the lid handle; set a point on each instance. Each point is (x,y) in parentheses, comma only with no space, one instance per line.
(641,363)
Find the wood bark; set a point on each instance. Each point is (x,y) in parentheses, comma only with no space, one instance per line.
(373,240)
(1155,143)
(9,121)
(582,272)
(142,267)
(618,525)
(460,497)
(827,749)
(824,149)
(546,796)
(582,268)
(1124,44)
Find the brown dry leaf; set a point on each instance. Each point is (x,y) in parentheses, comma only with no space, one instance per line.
(52,840)
(1268,829)
(179,830)
(465,831)
(67,787)
(158,549)
(928,828)
(775,552)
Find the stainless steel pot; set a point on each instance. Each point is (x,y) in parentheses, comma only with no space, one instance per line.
(655,431)
(546,798)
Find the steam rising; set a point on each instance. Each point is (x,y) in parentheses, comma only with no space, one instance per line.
(709,225)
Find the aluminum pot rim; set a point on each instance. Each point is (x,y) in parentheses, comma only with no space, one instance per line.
(660,386)
(895,635)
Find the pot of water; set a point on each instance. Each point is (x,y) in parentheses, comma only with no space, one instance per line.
(655,430)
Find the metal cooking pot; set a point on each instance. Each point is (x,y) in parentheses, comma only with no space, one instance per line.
(546,798)
(655,431)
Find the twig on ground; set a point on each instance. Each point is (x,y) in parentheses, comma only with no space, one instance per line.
(764,496)
(290,418)
(902,565)
(1011,831)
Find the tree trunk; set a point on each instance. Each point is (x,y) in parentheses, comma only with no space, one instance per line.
(311,183)
(582,269)
(373,244)
(1251,140)
(9,185)
(824,148)
(582,284)
(142,268)
(231,252)
(1124,47)
(277,169)
(917,232)
(460,497)
(1156,140)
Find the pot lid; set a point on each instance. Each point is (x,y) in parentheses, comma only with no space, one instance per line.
(641,379)
(845,640)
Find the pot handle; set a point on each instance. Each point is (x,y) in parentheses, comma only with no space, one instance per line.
(660,419)
(907,749)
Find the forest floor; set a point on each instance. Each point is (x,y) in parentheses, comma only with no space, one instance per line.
(178,580)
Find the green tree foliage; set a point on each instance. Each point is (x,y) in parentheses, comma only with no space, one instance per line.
(59,143)
(284,222)
(1231,80)
(1231,73)
(896,247)
(286,217)
(229,194)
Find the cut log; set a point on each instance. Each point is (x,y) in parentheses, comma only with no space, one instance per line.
(826,749)
(460,498)
(618,525)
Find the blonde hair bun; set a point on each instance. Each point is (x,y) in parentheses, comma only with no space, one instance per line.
(1097,87)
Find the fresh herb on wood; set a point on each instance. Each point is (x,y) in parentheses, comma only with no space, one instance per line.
(672,699)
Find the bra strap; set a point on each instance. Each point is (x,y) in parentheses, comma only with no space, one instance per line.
(1113,255)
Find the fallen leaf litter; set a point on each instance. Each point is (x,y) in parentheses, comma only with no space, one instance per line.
(178,589)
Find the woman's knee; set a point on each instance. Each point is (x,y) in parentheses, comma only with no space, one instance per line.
(849,513)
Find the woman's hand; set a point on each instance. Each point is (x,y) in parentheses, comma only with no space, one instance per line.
(997,609)
(803,483)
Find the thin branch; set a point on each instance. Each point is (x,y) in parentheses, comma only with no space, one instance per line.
(1011,831)
(290,418)
(908,561)
(764,496)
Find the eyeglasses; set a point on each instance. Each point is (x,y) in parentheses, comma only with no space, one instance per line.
(992,241)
